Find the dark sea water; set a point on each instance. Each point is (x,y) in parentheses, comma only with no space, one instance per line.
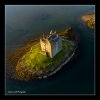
(25,22)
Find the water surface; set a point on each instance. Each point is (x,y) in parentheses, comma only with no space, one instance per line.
(25,22)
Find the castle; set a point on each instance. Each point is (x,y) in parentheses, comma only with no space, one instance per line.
(51,45)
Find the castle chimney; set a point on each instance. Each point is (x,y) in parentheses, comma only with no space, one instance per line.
(51,32)
(54,32)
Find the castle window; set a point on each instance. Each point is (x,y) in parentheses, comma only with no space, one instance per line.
(47,54)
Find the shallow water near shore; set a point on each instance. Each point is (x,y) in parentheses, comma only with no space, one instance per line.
(76,77)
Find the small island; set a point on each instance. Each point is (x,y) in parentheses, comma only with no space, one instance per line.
(46,55)
(89,19)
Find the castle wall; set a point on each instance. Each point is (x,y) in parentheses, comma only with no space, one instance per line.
(42,45)
(56,47)
(49,49)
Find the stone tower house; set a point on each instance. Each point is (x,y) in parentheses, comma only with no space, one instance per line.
(51,45)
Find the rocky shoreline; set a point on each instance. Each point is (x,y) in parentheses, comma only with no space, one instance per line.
(67,57)
(89,19)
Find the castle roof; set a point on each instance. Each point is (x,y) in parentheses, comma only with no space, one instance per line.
(53,38)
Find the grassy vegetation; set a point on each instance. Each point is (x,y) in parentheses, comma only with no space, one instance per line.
(35,61)
(28,58)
